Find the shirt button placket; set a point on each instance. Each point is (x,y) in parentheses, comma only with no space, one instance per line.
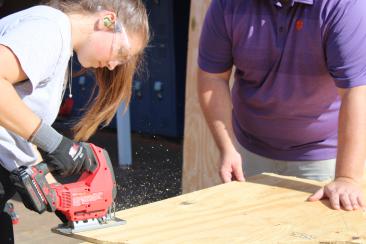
(281,30)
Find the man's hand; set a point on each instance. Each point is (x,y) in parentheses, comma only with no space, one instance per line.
(231,166)
(342,192)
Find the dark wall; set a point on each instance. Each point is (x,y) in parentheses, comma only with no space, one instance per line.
(157,104)
(10,6)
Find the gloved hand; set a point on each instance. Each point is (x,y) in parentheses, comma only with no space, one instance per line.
(69,158)
(63,156)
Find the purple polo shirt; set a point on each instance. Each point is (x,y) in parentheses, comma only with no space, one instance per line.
(290,58)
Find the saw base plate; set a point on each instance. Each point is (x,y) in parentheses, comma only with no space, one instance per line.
(80,226)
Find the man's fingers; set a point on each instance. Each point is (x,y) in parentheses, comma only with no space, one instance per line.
(317,195)
(225,176)
(334,201)
(346,202)
(361,202)
(354,202)
(238,172)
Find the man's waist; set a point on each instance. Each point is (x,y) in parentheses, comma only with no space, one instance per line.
(295,141)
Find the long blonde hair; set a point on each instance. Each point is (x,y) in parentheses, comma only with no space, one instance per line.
(114,86)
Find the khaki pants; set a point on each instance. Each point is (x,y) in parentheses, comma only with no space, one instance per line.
(315,170)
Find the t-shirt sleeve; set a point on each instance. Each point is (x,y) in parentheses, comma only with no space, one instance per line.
(37,44)
(215,46)
(345,45)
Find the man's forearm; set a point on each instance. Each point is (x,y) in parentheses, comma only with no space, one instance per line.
(215,100)
(352,134)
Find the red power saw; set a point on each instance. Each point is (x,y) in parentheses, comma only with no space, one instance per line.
(86,204)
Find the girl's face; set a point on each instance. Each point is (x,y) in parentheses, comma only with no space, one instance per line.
(108,48)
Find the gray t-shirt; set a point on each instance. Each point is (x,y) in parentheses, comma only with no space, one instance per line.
(40,37)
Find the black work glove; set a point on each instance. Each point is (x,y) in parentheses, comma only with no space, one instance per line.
(69,158)
(63,156)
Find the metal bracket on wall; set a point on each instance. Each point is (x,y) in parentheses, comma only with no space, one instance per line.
(124,136)
(158,89)
(137,88)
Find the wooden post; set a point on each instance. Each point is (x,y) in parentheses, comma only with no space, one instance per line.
(200,154)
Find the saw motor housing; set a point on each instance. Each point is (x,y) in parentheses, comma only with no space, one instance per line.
(89,197)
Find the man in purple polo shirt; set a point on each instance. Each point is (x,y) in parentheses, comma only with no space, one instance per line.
(300,67)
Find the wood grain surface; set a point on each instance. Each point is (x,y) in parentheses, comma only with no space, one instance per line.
(200,154)
(268,209)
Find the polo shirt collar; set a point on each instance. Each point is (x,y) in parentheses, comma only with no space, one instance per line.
(310,2)
(281,3)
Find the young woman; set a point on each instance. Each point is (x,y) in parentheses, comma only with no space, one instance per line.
(36,46)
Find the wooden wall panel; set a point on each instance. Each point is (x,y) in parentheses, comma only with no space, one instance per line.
(200,154)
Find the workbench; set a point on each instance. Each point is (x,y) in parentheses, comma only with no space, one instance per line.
(268,208)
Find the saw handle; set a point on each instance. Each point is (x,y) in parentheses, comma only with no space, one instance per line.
(43,168)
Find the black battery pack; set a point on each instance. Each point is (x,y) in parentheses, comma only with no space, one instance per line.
(29,190)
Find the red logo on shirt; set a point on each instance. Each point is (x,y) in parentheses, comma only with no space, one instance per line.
(299,24)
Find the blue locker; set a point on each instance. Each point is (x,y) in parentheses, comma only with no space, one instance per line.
(157,105)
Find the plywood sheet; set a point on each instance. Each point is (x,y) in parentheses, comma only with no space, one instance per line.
(269,209)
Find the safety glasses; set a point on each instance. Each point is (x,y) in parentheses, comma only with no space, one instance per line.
(121,46)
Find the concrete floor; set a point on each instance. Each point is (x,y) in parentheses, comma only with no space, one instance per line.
(34,228)
(154,175)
